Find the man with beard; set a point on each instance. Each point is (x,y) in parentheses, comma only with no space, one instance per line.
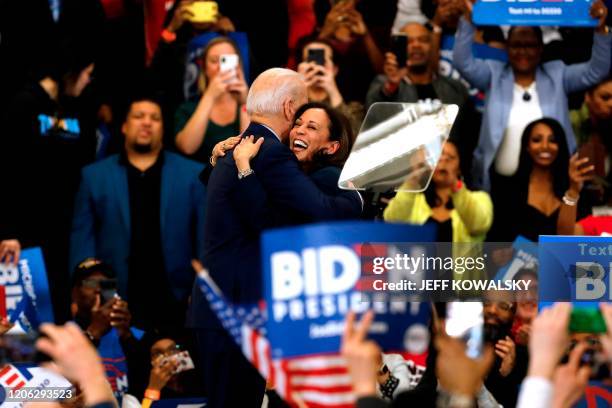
(510,364)
(415,79)
(142,212)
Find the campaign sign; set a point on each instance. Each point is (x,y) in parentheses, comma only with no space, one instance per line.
(27,290)
(596,395)
(533,12)
(576,269)
(525,257)
(312,277)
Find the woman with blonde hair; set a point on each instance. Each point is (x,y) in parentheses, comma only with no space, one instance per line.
(220,111)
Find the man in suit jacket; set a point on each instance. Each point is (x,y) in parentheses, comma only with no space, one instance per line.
(231,243)
(142,212)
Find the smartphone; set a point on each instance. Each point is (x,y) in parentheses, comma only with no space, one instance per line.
(108,290)
(203,12)
(588,150)
(316,55)
(587,320)
(228,62)
(465,321)
(399,47)
(183,359)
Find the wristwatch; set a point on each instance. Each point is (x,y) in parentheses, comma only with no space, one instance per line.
(245,173)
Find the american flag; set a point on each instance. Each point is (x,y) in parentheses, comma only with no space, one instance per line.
(319,381)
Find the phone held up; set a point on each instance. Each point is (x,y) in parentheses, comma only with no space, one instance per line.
(202,12)
(399,47)
(465,321)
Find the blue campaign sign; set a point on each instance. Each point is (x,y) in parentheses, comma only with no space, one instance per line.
(525,256)
(312,278)
(27,290)
(576,269)
(533,12)
(596,395)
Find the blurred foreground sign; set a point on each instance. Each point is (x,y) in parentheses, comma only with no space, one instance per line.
(312,279)
(26,289)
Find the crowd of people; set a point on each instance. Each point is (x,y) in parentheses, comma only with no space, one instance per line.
(132,172)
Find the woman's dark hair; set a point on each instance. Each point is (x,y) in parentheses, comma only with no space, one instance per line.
(536,30)
(431,196)
(558,167)
(339,131)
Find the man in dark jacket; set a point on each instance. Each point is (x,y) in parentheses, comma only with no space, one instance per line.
(231,246)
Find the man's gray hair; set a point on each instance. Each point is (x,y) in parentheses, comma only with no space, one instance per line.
(270,90)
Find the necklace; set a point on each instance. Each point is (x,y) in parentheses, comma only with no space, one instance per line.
(527,91)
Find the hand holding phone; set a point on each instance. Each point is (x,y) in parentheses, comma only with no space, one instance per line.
(229,62)
(465,321)
(399,48)
(181,361)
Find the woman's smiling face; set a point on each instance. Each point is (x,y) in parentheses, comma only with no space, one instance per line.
(542,146)
(310,135)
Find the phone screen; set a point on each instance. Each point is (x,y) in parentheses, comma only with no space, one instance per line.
(399,47)
(108,290)
(464,321)
(316,55)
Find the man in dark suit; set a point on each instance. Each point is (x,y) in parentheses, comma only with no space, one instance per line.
(142,212)
(231,243)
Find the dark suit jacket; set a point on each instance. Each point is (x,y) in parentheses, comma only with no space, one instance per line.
(101,223)
(231,243)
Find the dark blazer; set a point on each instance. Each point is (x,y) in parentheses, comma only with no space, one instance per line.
(101,223)
(231,244)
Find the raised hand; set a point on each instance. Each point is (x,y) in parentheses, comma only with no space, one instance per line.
(363,357)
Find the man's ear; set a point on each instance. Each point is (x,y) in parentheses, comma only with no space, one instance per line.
(123,128)
(288,109)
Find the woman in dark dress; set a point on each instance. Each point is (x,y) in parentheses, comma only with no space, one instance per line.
(531,202)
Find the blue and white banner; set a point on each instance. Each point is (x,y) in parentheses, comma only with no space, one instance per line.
(525,257)
(576,269)
(533,12)
(313,278)
(28,301)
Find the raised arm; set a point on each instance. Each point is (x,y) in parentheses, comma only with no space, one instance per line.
(476,71)
(577,77)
